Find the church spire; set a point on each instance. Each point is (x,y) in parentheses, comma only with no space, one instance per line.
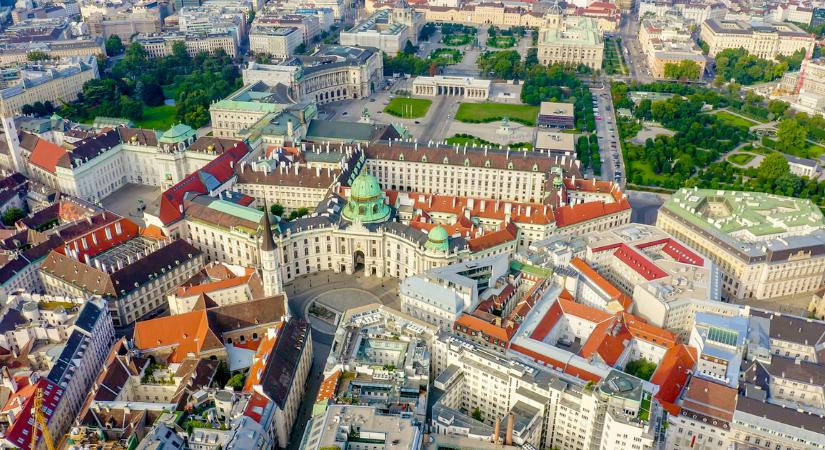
(267,243)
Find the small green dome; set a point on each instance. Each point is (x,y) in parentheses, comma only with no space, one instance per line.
(365,187)
(438,239)
(178,133)
(366,201)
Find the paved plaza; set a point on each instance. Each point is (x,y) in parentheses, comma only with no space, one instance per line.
(128,200)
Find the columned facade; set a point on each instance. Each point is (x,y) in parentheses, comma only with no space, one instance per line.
(468,88)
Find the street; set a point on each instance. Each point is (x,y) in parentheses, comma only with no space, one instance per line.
(359,290)
(609,143)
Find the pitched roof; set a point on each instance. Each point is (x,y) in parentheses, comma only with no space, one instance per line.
(709,398)
(673,373)
(186,333)
(281,366)
(201,330)
(47,155)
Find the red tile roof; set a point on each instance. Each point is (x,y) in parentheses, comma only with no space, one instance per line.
(256,406)
(673,373)
(47,155)
(643,266)
(96,241)
(259,361)
(501,236)
(328,387)
(709,398)
(19,433)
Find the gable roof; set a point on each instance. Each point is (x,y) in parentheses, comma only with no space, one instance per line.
(202,330)
(47,155)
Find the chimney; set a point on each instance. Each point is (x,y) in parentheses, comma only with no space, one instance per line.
(508,438)
(497,432)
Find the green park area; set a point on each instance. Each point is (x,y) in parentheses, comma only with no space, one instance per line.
(741,159)
(501,41)
(734,120)
(159,118)
(613,62)
(408,108)
(456,35)
(491,112)
(473,141)
(446,56)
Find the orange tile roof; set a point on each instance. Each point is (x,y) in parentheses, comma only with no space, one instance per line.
(548,322)
(608,340)
(612,291)
(710,398)
(47,155)
(487,328)
(585,312)
(328,387)
(153,232)
(568,215)
(505,234)
(640,329)
(259,361)
(187,333)
(673,372)
(205,288)
(17,399)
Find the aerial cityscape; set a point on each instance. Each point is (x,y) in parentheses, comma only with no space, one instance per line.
(412,224)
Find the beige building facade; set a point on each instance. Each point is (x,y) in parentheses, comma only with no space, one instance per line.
(757,261)
(53,83)
(160,45)
(570,40)
(763,41)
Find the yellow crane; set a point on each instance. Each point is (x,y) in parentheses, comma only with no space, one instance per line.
(40,420)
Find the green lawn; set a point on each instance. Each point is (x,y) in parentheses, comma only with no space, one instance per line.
(741,158)
(644,410)
(470,140)
(734,120)
(159,118)
(446,55)
(408,108)
(502,41)
(457,39)
(491,112)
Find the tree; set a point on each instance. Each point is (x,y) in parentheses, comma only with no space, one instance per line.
(12,215)
(683,70)
(772,167)
(130,108)
(644,110)
(791,136)
(237,381)
(37,55)
(641,368)
(477,415)
(114,46)
(27,110)
(276,209)
(409,48)
(152,94)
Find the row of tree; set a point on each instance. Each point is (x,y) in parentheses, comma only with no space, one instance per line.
(587,151)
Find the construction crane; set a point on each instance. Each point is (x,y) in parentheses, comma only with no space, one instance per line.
(40,420)
(808,56)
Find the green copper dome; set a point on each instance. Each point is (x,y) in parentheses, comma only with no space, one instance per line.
(366,201)
(438,239)
(178,133)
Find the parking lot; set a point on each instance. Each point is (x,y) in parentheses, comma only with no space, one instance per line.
(610,147)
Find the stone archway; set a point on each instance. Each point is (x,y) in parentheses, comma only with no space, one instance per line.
(358,261)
